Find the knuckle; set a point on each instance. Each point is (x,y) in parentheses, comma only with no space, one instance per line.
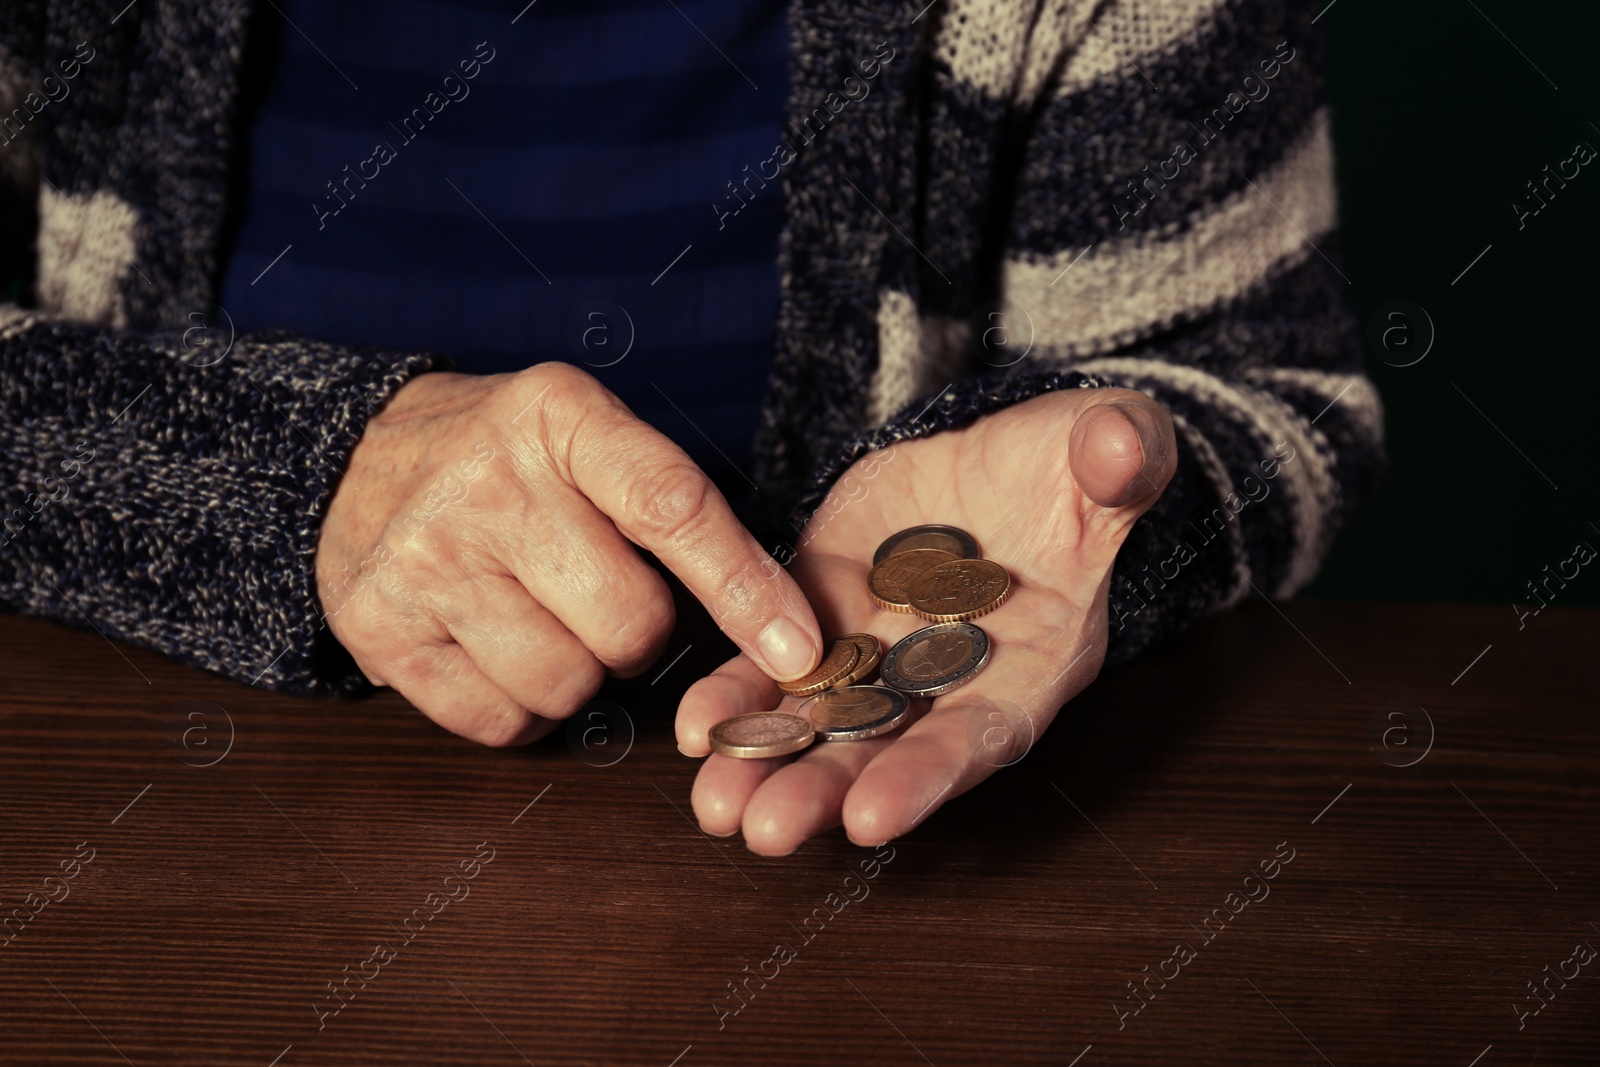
(557,381)
(641,634)
(411,588)
(420,665)
(507,724)
(552,395)
(668,502)
(560,401)
(564,695)
(433,681)
(481,484)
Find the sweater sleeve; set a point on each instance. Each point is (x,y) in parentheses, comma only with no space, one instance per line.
(168,489)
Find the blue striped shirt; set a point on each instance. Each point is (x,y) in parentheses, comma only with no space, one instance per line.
(434,175)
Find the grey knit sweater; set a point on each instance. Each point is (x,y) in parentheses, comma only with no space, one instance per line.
(1033,195)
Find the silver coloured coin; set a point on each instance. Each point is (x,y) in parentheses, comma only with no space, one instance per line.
(951,539)
(935,659)
(857,712)
(761,735)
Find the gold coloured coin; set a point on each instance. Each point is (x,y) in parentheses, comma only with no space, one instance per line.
(958,590)
(936,659)
(892,577)
(837,663)
(951,539)
(761,735)
(868,653)
(857,712)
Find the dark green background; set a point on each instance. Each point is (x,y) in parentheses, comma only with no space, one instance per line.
(1438,122)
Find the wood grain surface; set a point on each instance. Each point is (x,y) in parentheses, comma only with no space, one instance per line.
(189,866)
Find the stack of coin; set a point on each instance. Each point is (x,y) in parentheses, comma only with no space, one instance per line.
(936,572)
(848,660)
(939,573)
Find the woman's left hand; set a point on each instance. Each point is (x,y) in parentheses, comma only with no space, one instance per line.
(1049,488)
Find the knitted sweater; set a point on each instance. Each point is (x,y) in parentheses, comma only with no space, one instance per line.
(985,200)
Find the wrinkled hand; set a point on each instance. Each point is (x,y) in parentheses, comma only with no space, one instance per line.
(1050,489)
(476,554)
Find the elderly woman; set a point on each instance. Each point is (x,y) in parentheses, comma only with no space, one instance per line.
(1059,274)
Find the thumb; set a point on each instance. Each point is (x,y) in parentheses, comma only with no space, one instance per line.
(1123,450)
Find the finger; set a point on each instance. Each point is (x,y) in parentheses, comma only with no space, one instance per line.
(953,747)
(1123,450)
(575,564)
(736,687)
(522,648)
(723,787)
(661,501)
(442,681)
(838,588)
(803,798)
(800,797)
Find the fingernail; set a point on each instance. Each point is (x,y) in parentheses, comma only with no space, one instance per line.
(786,648)
(686,752)
(712,833)
(1140,421)
(1138,485)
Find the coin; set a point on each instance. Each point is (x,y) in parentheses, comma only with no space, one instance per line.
(836,664)
(892,576)
(868,652)
(957,542)
(857,712)
(936,659)
(960,589)
(761,734)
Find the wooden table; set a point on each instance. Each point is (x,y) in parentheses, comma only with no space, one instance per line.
(218,856)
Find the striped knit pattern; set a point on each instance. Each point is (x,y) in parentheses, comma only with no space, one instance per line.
(1044,172)
(1001,155)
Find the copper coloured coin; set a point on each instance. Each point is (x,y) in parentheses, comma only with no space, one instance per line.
(869,652)
(837,663)
(891,579)
(958,590)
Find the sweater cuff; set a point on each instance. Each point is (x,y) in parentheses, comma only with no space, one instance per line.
(175,501)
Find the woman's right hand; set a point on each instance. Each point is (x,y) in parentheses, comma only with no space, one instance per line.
(479,553)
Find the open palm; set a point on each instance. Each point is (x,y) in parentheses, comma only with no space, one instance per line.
(1049,488)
